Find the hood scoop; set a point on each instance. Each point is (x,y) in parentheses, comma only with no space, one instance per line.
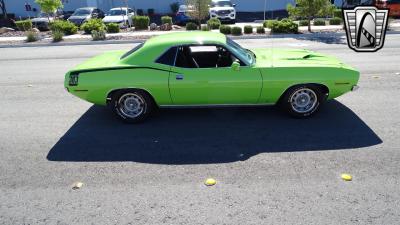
(306,56)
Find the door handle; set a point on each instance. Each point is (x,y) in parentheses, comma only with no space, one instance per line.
(179,76)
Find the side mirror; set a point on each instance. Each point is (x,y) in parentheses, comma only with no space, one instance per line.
(235,66)
(234,5)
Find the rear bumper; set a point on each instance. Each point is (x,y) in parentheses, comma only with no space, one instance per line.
(355,88)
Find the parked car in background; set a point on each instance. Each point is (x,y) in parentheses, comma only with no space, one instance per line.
(82,15)
(224,10)
(42,21)
(121,16)
(182,17)
(392,5)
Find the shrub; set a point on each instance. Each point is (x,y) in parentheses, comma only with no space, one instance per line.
(284,26)
(31,36)
(236,31)
(319,22)
(248,29)
(24,25)
(166,19)
(303,23)
(57,35)
(93,25)
(191,26)
(141,22)
(98,35)
(335,21)
(214,23)
(205,28)
(66,27)
(260,30)
(112,28)
(225,29)
(268,23)
(174,7)
(337,13)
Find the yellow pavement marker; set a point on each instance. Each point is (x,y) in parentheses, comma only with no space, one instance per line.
(210,182)
(346,177)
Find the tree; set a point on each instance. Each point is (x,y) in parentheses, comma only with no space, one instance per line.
(3,8)
(310,9)
(198,9)
(49,6)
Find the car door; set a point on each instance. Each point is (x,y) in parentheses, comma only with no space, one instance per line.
(203,75)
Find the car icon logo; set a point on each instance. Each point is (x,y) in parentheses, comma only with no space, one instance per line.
(365,27)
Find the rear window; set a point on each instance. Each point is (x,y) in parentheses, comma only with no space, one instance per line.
(132,50)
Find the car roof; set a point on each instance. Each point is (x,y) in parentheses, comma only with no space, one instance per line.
(87,8)
(189,37)
(115,8)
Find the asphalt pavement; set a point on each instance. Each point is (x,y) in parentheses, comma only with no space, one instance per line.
(270,169)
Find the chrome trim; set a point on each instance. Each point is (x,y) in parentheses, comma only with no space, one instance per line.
(216,105)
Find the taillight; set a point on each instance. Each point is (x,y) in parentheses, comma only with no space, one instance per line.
(73,79)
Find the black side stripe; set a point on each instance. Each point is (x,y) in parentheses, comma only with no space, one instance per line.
(119,68)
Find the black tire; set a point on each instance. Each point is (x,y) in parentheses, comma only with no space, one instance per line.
(126,103)
(303,94)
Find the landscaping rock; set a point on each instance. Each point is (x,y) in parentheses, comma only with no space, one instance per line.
(5,30)
(35,30)
(166,27)
(176,27)
(153,26)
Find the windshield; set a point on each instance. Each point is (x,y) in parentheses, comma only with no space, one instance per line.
(40,15)
(81,12)
(245,54)
(222,4)
(117,12)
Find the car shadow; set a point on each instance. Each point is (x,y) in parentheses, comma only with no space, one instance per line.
(202,136)
(323,38)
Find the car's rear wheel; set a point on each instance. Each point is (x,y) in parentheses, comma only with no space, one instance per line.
(132,106)
(302,101)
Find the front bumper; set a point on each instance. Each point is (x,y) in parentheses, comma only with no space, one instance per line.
(223,17)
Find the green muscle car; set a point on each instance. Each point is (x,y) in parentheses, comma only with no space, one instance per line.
(208,69)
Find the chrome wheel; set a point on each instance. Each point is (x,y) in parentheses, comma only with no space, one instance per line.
(131,105)
(303,100)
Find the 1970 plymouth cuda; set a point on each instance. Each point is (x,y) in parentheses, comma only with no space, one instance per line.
(208,69)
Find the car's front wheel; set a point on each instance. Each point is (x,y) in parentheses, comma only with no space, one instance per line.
(132,106)
(302,101)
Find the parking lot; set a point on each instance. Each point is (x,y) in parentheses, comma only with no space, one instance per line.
(270,169)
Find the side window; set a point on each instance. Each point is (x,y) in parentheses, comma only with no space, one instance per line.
(206,56)
(168,58)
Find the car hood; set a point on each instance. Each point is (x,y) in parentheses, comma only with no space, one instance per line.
(222,8)
(42,19)
(77,17)
(294,58)
(113,19)
(105,60)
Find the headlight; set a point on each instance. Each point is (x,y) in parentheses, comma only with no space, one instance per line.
(212,11)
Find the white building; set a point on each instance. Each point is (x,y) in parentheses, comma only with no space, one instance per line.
(160,6)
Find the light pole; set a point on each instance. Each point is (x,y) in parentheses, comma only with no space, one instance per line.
(265,7)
